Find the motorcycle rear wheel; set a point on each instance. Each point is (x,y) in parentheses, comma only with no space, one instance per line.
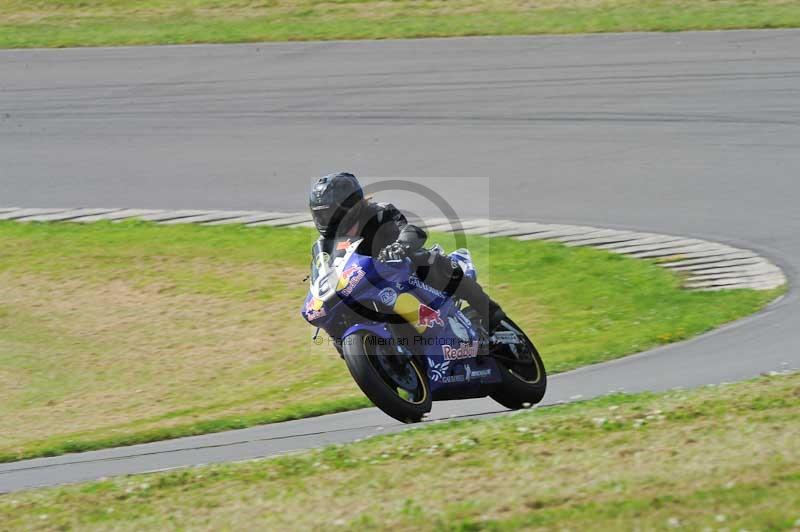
(395,383)
(524,383)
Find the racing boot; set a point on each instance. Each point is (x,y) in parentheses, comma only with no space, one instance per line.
(485,325)
(496,316)
(473,293)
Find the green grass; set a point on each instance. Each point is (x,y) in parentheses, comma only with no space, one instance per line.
(717,457)
(115,334)
(55,23)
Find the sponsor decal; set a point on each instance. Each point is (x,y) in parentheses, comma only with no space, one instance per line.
(458,329)
(316,314)
(314,309)
(353,276)
(388,296)
(463,319)
(438,372)
(464,350)
(476,373)
(413,280)
(429,317)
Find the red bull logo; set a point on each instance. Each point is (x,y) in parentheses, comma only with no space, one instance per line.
(314,309)
(429,317)
(462,351)
(316,314)
(350,278)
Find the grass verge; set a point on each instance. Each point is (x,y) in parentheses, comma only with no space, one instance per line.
(718,457)
(115,334)
(56,23)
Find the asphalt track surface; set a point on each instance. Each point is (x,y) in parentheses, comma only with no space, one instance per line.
(695,134)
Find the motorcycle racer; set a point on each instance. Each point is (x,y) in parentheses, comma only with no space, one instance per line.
(339,209)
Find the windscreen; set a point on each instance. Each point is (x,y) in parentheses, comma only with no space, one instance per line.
(320,259)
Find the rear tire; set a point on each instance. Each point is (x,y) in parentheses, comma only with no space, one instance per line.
(524,384)
(378,373)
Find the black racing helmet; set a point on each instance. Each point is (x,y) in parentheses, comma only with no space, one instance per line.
(331,199)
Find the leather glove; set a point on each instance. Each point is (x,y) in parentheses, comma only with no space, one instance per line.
(394,252)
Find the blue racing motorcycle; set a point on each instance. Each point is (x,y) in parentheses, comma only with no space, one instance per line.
(408,344)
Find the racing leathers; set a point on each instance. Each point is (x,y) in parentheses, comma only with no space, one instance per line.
(387,235)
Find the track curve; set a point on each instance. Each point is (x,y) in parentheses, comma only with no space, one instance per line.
(692,133)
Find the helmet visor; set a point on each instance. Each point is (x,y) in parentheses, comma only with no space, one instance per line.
(326,218)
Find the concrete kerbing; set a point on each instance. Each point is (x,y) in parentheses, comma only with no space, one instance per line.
(708,265)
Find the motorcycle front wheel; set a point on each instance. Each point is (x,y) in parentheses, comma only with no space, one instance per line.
(395,382)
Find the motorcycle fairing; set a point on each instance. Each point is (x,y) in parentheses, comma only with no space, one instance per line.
(445,338)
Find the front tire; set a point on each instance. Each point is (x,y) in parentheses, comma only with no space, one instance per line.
(524,383)
(394,382)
